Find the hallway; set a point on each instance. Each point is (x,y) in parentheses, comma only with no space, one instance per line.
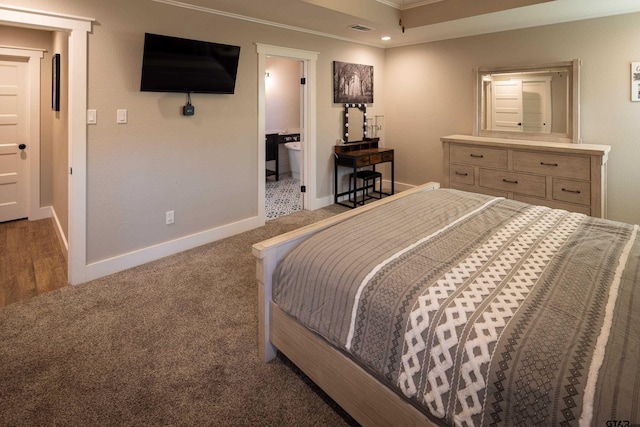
(31,260)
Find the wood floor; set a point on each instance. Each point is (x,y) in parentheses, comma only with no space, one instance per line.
(32,261)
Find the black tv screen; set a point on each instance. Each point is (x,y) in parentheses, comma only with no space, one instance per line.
(172,64)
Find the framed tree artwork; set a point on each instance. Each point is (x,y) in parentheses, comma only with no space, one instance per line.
(352,83)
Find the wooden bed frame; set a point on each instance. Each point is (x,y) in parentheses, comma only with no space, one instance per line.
(366,399)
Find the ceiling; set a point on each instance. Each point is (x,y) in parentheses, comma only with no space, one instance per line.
(423,20)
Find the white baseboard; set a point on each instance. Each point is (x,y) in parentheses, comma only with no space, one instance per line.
(49,212)
(122,262)
(386,185)
(61,237)
(323,202)
(41,213)
(132,259)
(398,187)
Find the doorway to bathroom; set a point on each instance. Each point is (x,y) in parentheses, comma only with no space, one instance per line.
(284,136)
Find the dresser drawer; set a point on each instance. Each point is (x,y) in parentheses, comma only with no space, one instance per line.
(481,156)
(462,174)
(375,158)
(362,161)
(572,191)
(565,166)
(387,156)
(531,185)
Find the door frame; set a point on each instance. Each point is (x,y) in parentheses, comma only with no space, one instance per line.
(78,29)
(308,177)
(33,57)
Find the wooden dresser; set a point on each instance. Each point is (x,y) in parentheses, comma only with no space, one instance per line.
(558,175)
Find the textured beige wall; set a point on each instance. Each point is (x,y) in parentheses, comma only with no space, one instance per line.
(204,167)
(429,94)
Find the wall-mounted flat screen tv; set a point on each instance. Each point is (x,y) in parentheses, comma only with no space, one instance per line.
(172,64)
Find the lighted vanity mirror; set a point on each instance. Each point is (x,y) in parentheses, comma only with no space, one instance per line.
(354,122)
(537,102)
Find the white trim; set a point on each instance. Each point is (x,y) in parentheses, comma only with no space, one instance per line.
(33,123)
(386,184)
(151,253)
(77,134)
(395,5)
(58,228)
(78,29)
(397,186)
(43,19)
(262,175)
(325,201)
(309,177)
(35,49)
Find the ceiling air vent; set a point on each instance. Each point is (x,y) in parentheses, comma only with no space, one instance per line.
(360,27)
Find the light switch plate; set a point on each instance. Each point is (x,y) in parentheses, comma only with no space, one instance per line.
(92,117)
(121,116)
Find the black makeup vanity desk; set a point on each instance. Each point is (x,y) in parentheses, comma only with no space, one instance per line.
(355,156)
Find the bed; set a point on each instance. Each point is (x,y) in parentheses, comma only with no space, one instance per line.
(440,307)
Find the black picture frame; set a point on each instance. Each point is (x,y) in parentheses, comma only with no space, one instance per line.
(352,83)
(55,82)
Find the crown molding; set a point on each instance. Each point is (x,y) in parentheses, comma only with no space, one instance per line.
(401,6)
(261,21)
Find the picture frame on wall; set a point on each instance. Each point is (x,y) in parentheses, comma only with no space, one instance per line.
(352,83)
(55,82)
(635,81)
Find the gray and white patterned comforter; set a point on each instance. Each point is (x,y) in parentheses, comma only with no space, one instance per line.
(480,310)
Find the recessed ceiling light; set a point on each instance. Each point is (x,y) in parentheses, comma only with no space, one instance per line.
(386,38)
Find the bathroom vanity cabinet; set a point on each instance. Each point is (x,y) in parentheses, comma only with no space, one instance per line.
(559,175)
(272,149)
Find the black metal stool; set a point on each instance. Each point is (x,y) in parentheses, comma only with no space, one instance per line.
(368,178)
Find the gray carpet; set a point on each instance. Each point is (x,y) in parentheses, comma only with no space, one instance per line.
(172,342)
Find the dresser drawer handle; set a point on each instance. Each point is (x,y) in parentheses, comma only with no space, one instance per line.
(571,191)
(478,156)
(462,174)
(509,181)
(548,164)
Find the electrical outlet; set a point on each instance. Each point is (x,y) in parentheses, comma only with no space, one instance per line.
(170,217)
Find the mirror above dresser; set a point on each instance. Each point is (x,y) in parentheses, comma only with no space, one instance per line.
(533,102)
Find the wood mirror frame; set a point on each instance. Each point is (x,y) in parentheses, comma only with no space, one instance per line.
(572,131)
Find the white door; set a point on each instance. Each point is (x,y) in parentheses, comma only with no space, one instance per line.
(507,105)
(14,162)
(536,108)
